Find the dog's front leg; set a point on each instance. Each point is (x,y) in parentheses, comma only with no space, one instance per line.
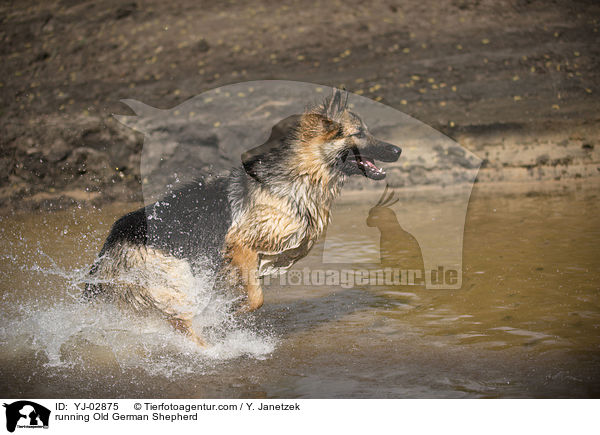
(244,261)
(185,326)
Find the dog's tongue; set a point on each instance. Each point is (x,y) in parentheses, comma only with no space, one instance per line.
(371,165)
(369,168)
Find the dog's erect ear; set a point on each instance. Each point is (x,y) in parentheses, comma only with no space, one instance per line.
(336,103)
(327,123)
(332,128)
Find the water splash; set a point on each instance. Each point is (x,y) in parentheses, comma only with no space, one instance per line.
(72,334)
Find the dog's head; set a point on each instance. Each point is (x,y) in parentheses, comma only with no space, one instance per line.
(342,141)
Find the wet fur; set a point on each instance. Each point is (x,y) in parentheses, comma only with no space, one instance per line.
(262,218)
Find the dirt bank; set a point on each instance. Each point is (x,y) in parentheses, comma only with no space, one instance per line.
(516,82)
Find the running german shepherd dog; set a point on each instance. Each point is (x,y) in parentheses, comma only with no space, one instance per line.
(262,218)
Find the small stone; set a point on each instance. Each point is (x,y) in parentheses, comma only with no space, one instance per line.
(202,46)
(542,160)
(125,10)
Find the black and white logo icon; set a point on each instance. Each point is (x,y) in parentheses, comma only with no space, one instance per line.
(26,414)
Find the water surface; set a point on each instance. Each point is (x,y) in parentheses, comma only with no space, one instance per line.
(526,322)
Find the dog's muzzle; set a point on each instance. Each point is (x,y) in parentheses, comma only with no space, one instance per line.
(386,152)
(376,150)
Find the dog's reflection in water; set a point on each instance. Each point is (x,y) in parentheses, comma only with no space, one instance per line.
(398,249)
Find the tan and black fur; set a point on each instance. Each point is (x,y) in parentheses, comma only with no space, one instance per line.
(262,218)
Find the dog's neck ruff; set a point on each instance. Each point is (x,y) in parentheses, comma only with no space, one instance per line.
(301,196)
(313,200)
(299,203)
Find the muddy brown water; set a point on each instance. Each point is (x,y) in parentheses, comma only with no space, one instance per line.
(525,323)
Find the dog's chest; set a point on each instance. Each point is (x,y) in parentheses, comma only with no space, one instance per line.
(308,214)
(269,263)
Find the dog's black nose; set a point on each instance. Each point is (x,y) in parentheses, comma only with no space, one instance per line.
(389,152)
(393,149)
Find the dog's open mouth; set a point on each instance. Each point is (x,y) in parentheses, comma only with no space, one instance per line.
(365,158)
(369,168)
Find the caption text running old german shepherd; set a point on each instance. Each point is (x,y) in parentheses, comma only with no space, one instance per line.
(262,218)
